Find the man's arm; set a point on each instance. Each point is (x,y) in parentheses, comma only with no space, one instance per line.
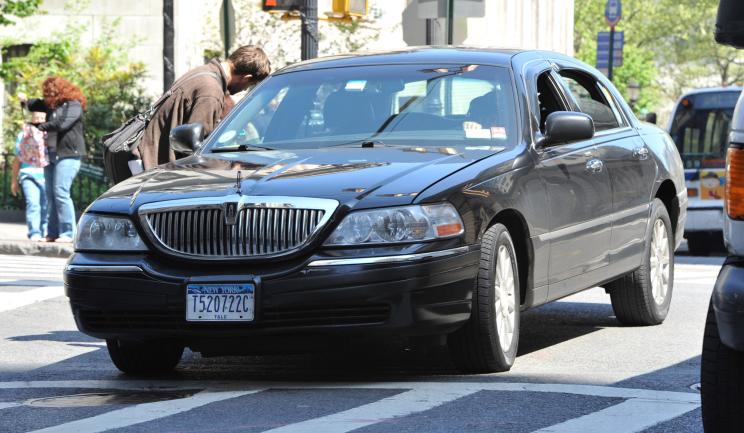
(70,114)
(207,111)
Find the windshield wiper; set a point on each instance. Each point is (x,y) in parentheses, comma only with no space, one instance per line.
(365,142)
(241,148)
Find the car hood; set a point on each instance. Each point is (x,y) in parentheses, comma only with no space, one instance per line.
(357,177)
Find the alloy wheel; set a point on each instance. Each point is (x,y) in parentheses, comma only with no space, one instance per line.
(659,262)
(505,303)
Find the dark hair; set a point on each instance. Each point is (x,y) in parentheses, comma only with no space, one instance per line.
(250,59)
(57,91)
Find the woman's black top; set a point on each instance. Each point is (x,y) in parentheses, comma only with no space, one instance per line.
(66,121)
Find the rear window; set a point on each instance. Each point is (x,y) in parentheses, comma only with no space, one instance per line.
(700,128)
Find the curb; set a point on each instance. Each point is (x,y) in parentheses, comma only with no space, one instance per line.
(28,248)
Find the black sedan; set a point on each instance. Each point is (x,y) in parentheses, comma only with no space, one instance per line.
(433,192)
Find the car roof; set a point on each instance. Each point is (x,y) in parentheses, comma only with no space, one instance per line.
(427,54)
(712,90)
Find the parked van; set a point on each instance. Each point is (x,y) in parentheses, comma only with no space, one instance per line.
(700,125)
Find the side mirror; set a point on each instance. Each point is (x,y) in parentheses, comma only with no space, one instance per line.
(186,139)
(651,117)
(566,126)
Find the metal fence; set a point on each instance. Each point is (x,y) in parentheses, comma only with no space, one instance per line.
(90,183)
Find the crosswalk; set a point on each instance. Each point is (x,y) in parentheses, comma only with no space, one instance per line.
(438,404)
(637,409)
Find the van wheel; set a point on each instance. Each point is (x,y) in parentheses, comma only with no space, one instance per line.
(699,244)
(144,358)
(721,381)
(643,297)
(488,341)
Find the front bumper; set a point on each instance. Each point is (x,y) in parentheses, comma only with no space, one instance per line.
(141,297)
(704,219)
(728,303)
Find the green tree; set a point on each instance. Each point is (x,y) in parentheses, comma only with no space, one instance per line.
(110,82)
(669,46)
(17,8)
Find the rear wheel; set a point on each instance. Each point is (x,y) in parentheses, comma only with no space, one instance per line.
(488,341)
(144,357)
(643,297)
(722,379)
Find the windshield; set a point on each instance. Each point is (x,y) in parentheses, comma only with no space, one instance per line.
(700,128)
(422,105)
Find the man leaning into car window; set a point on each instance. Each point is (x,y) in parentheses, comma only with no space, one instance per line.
(199,97)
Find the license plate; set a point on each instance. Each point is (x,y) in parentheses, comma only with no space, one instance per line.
(220,302)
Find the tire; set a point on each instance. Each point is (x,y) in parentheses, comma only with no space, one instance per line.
(477,346)
(640,298)
(721,382)
(144,358)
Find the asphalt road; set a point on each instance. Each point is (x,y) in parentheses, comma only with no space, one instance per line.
(578,371)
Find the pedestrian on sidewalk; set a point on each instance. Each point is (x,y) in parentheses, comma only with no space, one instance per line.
(64,104)
(28,172)
(201,96)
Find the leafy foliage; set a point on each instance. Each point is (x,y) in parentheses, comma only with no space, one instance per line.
(669,46)
(110,82)
(17,8)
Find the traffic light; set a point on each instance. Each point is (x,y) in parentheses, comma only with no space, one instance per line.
(348,8)
(281,5)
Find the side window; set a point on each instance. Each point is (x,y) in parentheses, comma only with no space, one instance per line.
(593,99)
(548,98)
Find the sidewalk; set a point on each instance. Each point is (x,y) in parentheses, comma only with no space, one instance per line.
(13,240)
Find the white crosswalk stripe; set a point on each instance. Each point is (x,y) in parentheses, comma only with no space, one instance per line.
(641,408)
(43,273)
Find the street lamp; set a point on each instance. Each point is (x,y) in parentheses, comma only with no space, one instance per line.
(634,90)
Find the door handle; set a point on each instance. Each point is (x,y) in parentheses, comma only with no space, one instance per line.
(640,153)
(594,166)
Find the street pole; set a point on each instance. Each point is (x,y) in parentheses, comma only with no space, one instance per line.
(309,24)
(450,21)
(168,31)
(226,26)
(612,53)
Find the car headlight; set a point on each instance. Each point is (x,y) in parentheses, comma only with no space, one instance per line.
(106,233)
(398,225)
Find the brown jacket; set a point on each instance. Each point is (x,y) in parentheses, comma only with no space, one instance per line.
(201,99)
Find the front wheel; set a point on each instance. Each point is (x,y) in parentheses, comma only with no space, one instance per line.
(643,297)
(488,341)
(144,357)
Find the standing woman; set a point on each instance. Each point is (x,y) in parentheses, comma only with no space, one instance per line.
(64,104)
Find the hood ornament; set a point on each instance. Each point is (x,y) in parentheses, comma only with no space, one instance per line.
(238,182)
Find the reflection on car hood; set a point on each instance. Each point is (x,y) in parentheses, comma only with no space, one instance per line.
(383,176)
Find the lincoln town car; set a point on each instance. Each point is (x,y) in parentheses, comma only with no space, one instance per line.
(431,194)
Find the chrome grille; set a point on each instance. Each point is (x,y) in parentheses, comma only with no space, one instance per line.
(203,231)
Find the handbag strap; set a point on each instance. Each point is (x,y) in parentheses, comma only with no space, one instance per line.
(154,107)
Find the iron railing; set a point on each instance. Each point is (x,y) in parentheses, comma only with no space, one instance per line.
(90,183)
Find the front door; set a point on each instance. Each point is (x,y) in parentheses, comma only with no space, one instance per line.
(626,158)
(579,203)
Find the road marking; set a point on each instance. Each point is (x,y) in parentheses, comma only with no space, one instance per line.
(631,416)
(403,404)
(13,300)
(590,390)
(4,405)
(143,412)
(646,407)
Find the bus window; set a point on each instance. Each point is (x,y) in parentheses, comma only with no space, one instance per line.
(700,128)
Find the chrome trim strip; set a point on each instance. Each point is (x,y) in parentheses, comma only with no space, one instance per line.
(103,268)
(389,259)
